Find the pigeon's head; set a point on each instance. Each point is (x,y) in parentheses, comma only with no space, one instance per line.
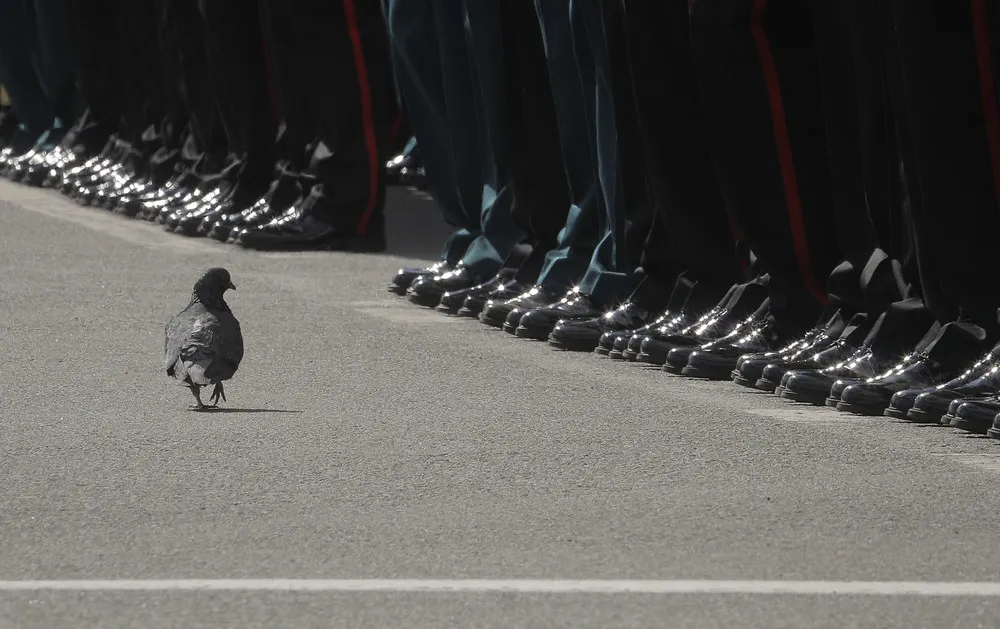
(211,286)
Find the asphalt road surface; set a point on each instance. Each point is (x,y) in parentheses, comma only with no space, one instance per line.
(383,465)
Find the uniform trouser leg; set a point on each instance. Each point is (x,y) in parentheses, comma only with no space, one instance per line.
(295,131)
(341,56)
(639,205)
(609,276)
(36,63)
(537,173)
(400,135)
(692,234)
(18,74)
(142,81)
(862,156)
(236,63)
(420,57)
(54,57)
(947,60)
(205,147)
(96,49)
(757,69)
(171,129)
(570,70)
(442,88)
(500,232)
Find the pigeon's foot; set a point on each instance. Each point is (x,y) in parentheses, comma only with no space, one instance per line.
(217,393)
(199,405)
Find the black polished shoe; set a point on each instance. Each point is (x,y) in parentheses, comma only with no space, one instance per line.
(451,301)
(773,376)
(397,168)
(118,201)
(586,335)
(824,386)
(160,208)
(822,347)
(497,311)
(614,343)
(133,203)
(304,228)
(750,367)
(982,378)
(172,218)
(199,222)
(953,408)
(995,430)
(405,276)
(656,342)
(538,324)
(874,396)
(32,167)
(686,345)
(717,360)
(428,290)
(58,161)
(414,176)
(977,416)
(730,313)
(475,303)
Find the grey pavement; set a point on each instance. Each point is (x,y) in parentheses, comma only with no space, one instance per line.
(366,437)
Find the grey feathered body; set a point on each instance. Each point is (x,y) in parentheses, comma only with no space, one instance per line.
(203,345)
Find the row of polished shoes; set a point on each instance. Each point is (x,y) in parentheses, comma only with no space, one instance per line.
(284,218)
(836,363)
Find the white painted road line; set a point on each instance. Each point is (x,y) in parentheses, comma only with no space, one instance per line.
(444,586)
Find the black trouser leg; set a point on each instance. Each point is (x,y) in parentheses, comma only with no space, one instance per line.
(54,57)
(692,232)
(340,53)
(97,50)
(947,59)
(862,156)
(173,127)
(205,147)
(757,68)
(18,73)
(632,160)
(235,52)
(141,81)
(537,171)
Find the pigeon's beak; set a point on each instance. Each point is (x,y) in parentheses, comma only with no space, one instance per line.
(232,286)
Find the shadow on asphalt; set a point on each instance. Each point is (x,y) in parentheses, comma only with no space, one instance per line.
(414,227)
(246,410)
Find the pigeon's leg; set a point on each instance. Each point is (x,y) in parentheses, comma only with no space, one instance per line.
(196,390)
(218,392)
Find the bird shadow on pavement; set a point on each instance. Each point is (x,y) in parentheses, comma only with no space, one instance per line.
(245,410)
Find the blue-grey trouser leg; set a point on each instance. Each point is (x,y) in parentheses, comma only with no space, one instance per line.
(609,277)
(569,73)
(437,76)
(500,233)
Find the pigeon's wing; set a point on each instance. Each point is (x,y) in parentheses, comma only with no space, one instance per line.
(199,353)
(229,346)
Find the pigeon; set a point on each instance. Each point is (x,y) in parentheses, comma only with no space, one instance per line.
(204,344)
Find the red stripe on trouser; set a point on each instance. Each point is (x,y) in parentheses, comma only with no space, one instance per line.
(784,145)
(987,87)
(367,115)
